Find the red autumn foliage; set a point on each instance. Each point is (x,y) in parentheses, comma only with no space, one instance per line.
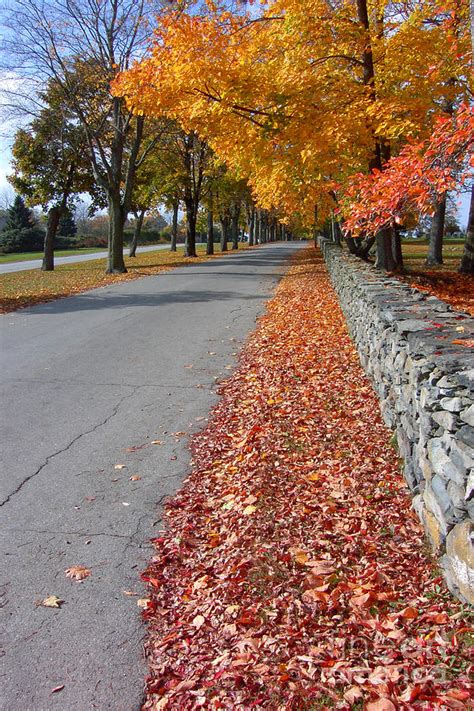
(414,180)
(292,573)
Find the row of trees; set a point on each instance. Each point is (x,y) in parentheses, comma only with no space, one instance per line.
(298,108)
(314,102)
(82,138)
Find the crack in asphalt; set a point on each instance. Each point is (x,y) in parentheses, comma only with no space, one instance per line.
(65,449)
(86,534)
(104,385)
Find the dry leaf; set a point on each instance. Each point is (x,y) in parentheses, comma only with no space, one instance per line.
(57,688)
(135,477)
(120,466)
(77,572)
(249,510)
(198,621)
(156,441)
(143,602)
(381,704)
(52,601)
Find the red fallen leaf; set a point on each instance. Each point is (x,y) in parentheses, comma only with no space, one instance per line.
(412,693)
(437,618)
(362,600)
(315,596)
(382,704)
(458,694)
(409,613)
(353,694)
(321,567)
(77,572)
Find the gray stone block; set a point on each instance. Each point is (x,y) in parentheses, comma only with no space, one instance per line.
(446,419)
(468,415)
(452,404)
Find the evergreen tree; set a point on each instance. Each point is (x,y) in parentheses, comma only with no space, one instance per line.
(67,225)
(19,217)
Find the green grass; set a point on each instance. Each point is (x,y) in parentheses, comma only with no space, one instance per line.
(26,256)
(414,253)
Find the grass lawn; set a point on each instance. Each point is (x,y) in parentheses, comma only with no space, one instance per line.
(26,256)
(444,280)
(33,286)
(414,255)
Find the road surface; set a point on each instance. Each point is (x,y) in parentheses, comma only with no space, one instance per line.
(88,383)
(36,263)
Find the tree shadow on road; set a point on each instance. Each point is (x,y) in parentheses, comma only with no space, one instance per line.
(105,298)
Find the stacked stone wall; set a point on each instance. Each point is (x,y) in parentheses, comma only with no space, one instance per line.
(418,353)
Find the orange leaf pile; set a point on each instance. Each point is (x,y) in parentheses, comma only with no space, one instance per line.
(323,596)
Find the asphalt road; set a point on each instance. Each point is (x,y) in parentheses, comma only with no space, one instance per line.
(36,263)
(88,382)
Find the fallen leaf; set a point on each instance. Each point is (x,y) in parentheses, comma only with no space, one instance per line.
(353,694)
(57,688)
(156,441)
(382,704)
(143,602)
(135,477)
(77,572)
(119,466)
(198,621)
(248,510)
(52,601)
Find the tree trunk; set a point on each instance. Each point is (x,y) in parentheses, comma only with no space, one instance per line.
(210,232)
(136,232)
(257,236)
(263,229)
(225,233)
(467,261)
(190,243)
(384,259)
(397,248)
(435,247)
(174,227)
(252,227)
(54,216)
(115,262)
(235,226)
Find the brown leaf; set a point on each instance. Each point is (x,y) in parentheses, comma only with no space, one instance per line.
(77,572)
(57,688)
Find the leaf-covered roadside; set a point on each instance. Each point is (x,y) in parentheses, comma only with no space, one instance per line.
(292,573)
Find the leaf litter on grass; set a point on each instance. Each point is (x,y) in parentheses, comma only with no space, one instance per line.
(292,572)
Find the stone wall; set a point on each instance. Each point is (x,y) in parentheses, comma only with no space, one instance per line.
(418,353)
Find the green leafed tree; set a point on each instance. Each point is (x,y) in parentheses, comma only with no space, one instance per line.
(20,233)
(50,164)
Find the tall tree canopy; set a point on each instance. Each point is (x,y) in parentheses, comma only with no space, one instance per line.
(311,92)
